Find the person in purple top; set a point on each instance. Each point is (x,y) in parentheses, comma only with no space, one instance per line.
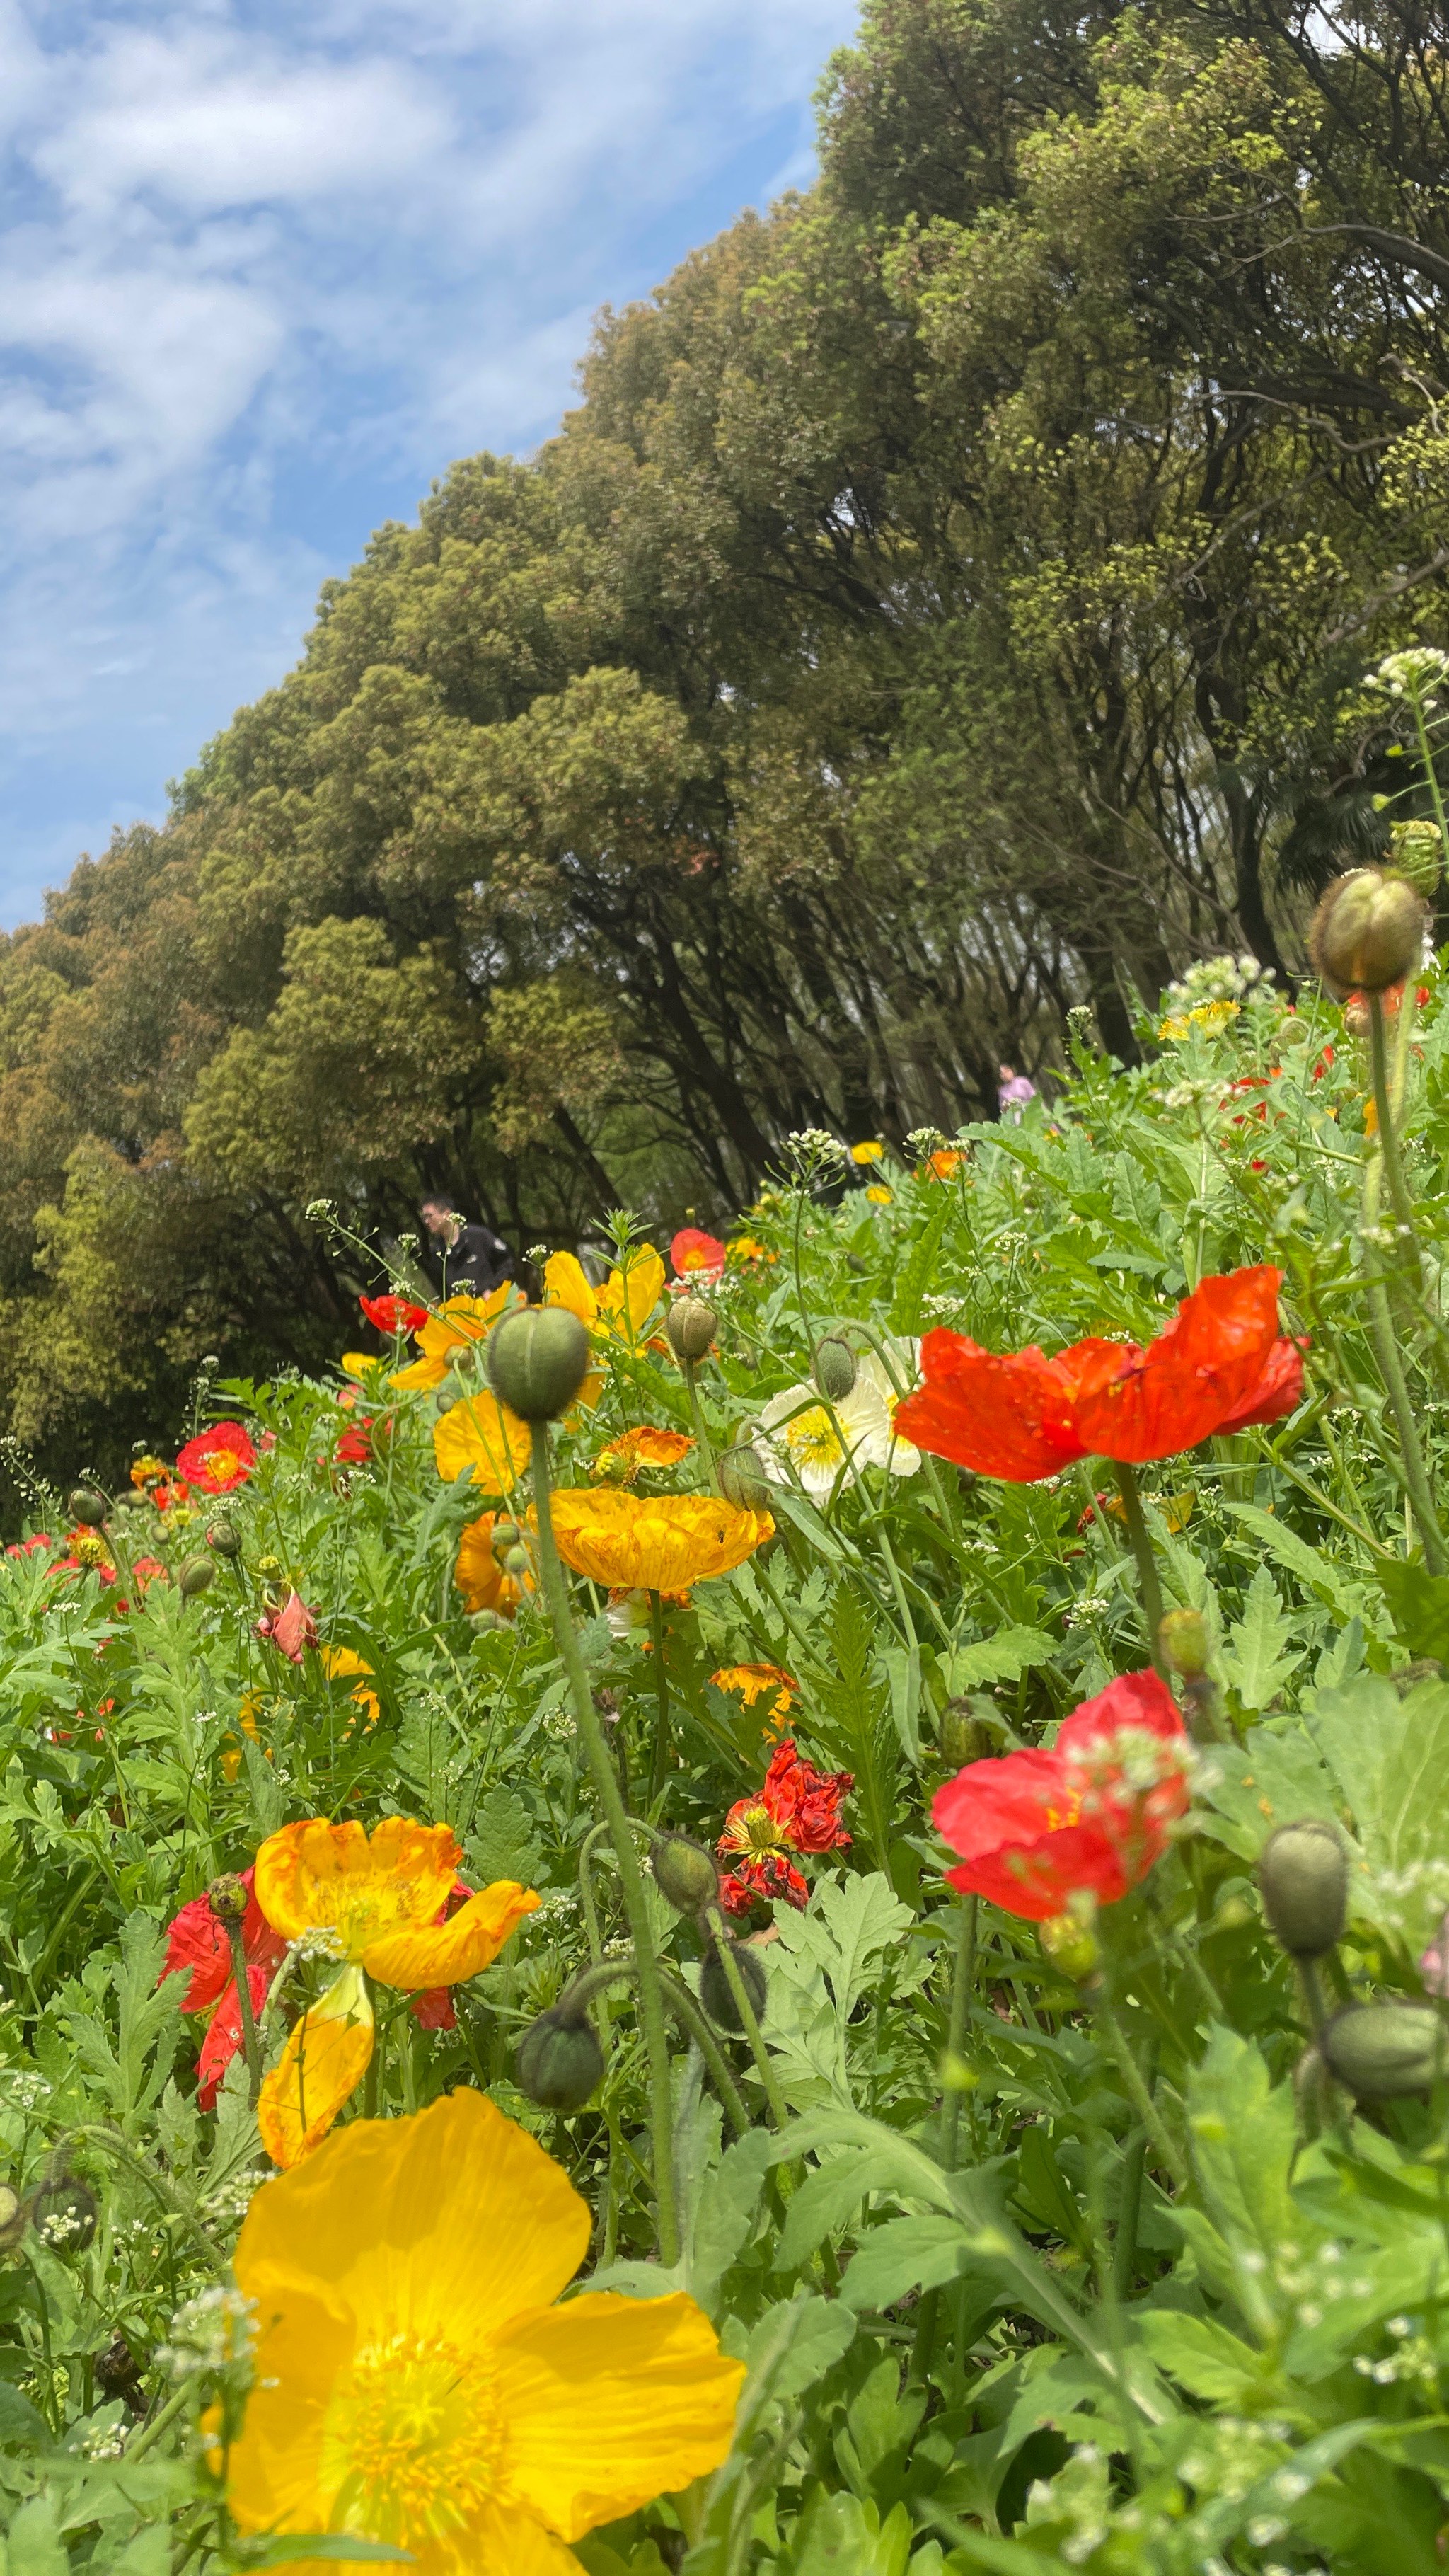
(1013,1092)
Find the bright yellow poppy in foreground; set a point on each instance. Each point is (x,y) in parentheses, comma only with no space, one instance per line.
(482,1434)
(380,1898)
(660,1543)
(415,2382)
(461,1321)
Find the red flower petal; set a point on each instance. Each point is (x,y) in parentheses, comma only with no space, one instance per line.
(1194,1377)
(1007,1416)
(1279,1390)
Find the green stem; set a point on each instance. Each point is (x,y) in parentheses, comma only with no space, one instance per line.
(1146,1562)
(1388,1134)
(1416,1477)
(696,1415)
(251,2049)
(697,2024)
(660,1762)
(963,1985)
(1139,2096)
(631,1881)
(724,1944)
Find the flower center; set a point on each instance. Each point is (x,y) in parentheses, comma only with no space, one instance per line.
(813,1440)
(414,2442)
(223,1464)
(761,1830)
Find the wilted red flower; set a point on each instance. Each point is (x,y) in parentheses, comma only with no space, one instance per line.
(1036,1828)
(697,1256)
(394,1314)
(797,1808)
(1219,1366)
(217,1458)
(291,1629)
(195,1940)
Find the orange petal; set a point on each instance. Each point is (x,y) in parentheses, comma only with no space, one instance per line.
(443,1954)
(323,2062)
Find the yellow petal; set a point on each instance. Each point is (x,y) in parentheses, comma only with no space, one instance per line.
(420,1373)
(631,1294)
(481,1435)
(611,2402)
(449,2223)
(443,1954)
(303,2345)
(322,2064)
(338,1878)
(461,1321)
(358,1363)
(564,1284)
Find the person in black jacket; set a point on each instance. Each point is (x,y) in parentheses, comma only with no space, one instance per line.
(466,1260)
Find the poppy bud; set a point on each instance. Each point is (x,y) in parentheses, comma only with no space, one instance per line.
(1182,1640)
(1381,2051)
(65,2212)
(1070,1944)
(716,1993)
(269,1568)
(14,2217)
(835,1368)
(224,1539)
(559,2062)
(516,1560)
(537,1361)
(686,1874)
(88,1507)
(506,1534)
(691,1326)
(1303,1874)
(196,1575)
(1368,932)
(963,1737)
(742,1480)
(1416,853)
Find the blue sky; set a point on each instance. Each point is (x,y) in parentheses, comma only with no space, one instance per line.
(265,268)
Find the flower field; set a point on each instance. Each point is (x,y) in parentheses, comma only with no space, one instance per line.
(787,1914)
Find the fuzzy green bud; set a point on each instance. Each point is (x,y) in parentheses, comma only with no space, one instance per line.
(196,1575)
(227,1896)
(717,1994)
(742,1479)
(1368,932)
(1303,1874)
(506,1534)
(1182,1639)
(1382,2051)
(835,1368)
(65,2212)
(559,2062)
(963,1737)
(691,1325)
(686,1874)
(87,1506)
(537,1361)
(223,1539)
(1070,1944)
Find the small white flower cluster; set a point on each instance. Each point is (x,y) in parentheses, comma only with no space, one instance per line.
(1217,979)
(20,2090)
(813,1151)
(1417,673)
(228,2204)
(106,2442)
(213,2331)
(557,1904)
(1091,1606)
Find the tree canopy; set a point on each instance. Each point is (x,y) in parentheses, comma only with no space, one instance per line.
(949,603)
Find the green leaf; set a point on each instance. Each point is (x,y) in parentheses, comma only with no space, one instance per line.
(1244,2141)
(838,2535)
(1202,2357)
(1314,1569)
(1002,1658)
(1256,1661)
(903,2255)
(33,2545)
(794,2344)
(22,2426)
(1418,1605)
(1390,1756)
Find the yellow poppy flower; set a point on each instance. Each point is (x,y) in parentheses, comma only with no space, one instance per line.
(359,1364)
(658,1543)
(750,1682)
(747,1248)
(339,1663)
(478,1575)
(416,2382)
(870,1152)
(381,1899)
(619,1309)
(482,1434)
(624,1458)
(461,1321)
(879,1195)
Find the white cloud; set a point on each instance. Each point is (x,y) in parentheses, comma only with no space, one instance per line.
(264,271)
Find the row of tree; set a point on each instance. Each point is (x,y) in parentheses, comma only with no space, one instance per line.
(948,604)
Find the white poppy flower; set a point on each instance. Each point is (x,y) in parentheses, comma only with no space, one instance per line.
(826,1445)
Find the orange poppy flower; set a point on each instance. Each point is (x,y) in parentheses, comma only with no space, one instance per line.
(456,1326)
(943,1165)
(340,1664)
(477,1574)
(626,1457)
(1220,1366)
(696,1255)
(380,1898)
(663,1543)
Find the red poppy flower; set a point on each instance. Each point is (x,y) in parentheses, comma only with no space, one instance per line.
(195,1940)
(217,1458)
(355,1446)
(1219,1366)
(797,1808)
(697,1256)
(291,1629)
(1036,1828)
(394,1314)
(31,1546)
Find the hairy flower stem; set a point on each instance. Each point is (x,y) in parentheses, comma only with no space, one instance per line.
(724,1944)
(963,1994)
(696,1415)
(1167,2149)
(251,2048)
(1146,1561)
(631,1880)
(1388,1132)
(1386,1349)
(660,1762)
